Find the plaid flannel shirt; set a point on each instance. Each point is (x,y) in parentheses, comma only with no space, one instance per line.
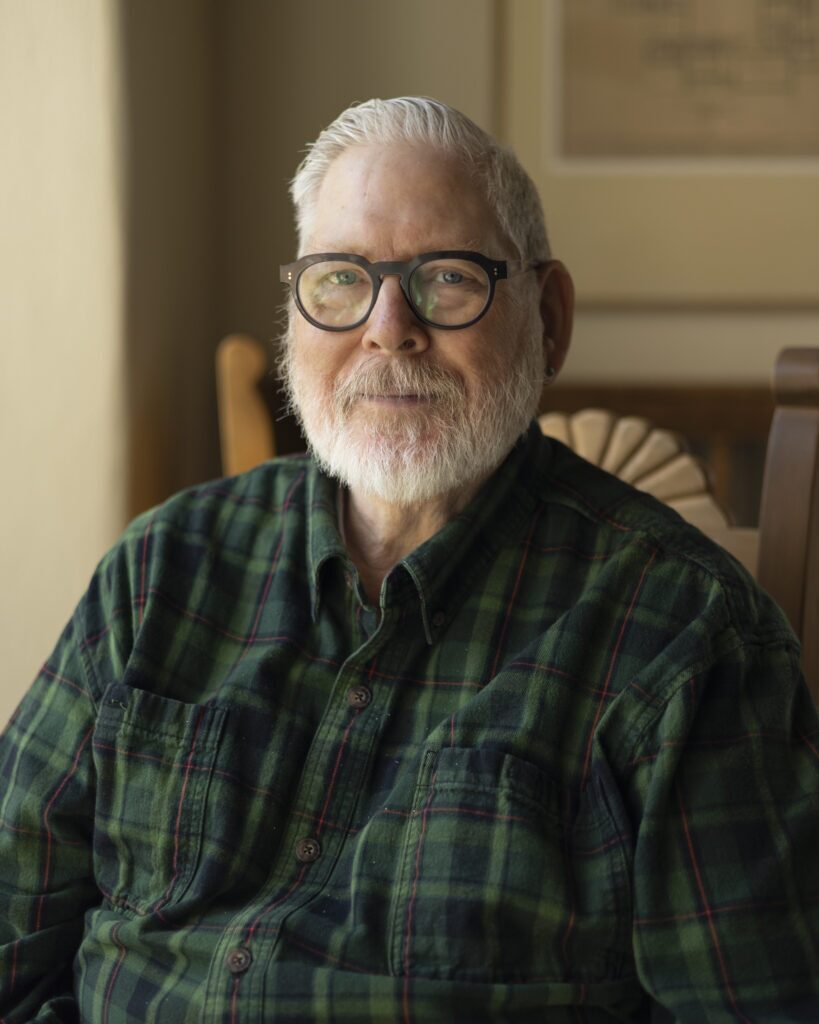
(569,772)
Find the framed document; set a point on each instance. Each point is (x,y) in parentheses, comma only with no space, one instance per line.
(690,78)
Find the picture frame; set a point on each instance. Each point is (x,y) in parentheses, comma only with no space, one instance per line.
(662,232)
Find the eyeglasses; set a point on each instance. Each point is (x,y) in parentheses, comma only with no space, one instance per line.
(336,291)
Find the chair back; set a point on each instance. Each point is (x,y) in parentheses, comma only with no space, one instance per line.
(789,514)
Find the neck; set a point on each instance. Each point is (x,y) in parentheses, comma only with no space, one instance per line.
(379,534)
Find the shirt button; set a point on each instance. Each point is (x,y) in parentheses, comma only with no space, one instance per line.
(238,960)
(438,619)
(359,696)
(308,850)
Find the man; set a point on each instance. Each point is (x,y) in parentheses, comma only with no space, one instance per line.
(438,724)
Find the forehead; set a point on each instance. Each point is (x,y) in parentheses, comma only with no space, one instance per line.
(394,201)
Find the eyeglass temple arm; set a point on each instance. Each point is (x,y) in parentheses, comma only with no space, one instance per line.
(520,266)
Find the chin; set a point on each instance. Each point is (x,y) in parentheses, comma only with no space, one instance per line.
(408,456)
(408,461)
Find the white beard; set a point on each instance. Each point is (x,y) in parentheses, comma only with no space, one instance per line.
(410,455)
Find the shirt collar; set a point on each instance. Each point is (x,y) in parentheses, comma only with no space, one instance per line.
(438,574)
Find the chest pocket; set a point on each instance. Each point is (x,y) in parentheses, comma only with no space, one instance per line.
(503,880)
(154,759)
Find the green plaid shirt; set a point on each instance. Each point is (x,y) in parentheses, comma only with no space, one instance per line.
(570,772)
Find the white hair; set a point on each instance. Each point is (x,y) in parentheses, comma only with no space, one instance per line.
(509,190)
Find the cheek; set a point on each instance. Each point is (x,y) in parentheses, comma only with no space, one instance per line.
(485,357)
(319,357)
(472,364)
(500,355)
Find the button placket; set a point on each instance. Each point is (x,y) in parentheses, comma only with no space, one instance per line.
(304,862)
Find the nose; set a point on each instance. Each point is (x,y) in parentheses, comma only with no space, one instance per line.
(392,326)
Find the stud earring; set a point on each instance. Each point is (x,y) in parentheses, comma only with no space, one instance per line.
(551,373)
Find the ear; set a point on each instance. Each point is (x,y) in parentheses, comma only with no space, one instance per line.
(556,311)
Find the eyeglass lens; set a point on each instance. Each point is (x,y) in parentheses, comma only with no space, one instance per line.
(448,292)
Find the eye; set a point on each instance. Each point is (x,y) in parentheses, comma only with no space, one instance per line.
(343,277)
(450,277)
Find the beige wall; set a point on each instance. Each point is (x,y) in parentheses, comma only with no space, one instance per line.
(693,346)
(61,392)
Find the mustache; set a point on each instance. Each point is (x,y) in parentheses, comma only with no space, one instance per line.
(376,378)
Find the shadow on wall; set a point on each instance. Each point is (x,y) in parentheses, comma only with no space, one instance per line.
(171,215)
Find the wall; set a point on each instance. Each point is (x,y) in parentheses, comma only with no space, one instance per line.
(61,386)
(687,346)
(171,208)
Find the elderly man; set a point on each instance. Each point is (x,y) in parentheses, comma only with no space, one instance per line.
(440,723)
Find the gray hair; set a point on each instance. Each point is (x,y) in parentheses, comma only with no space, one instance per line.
(510,191)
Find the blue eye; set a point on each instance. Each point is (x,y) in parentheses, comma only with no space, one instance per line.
(451,277)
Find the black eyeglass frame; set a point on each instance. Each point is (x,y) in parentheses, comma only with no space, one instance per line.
(496,270)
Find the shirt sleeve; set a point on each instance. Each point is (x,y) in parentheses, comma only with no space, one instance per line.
(46,836)
(726,875)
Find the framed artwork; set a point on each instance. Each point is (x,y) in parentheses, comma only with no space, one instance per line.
(675,144)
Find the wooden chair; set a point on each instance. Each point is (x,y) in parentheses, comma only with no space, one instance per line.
(788,566)
(782,554)
(656,461)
